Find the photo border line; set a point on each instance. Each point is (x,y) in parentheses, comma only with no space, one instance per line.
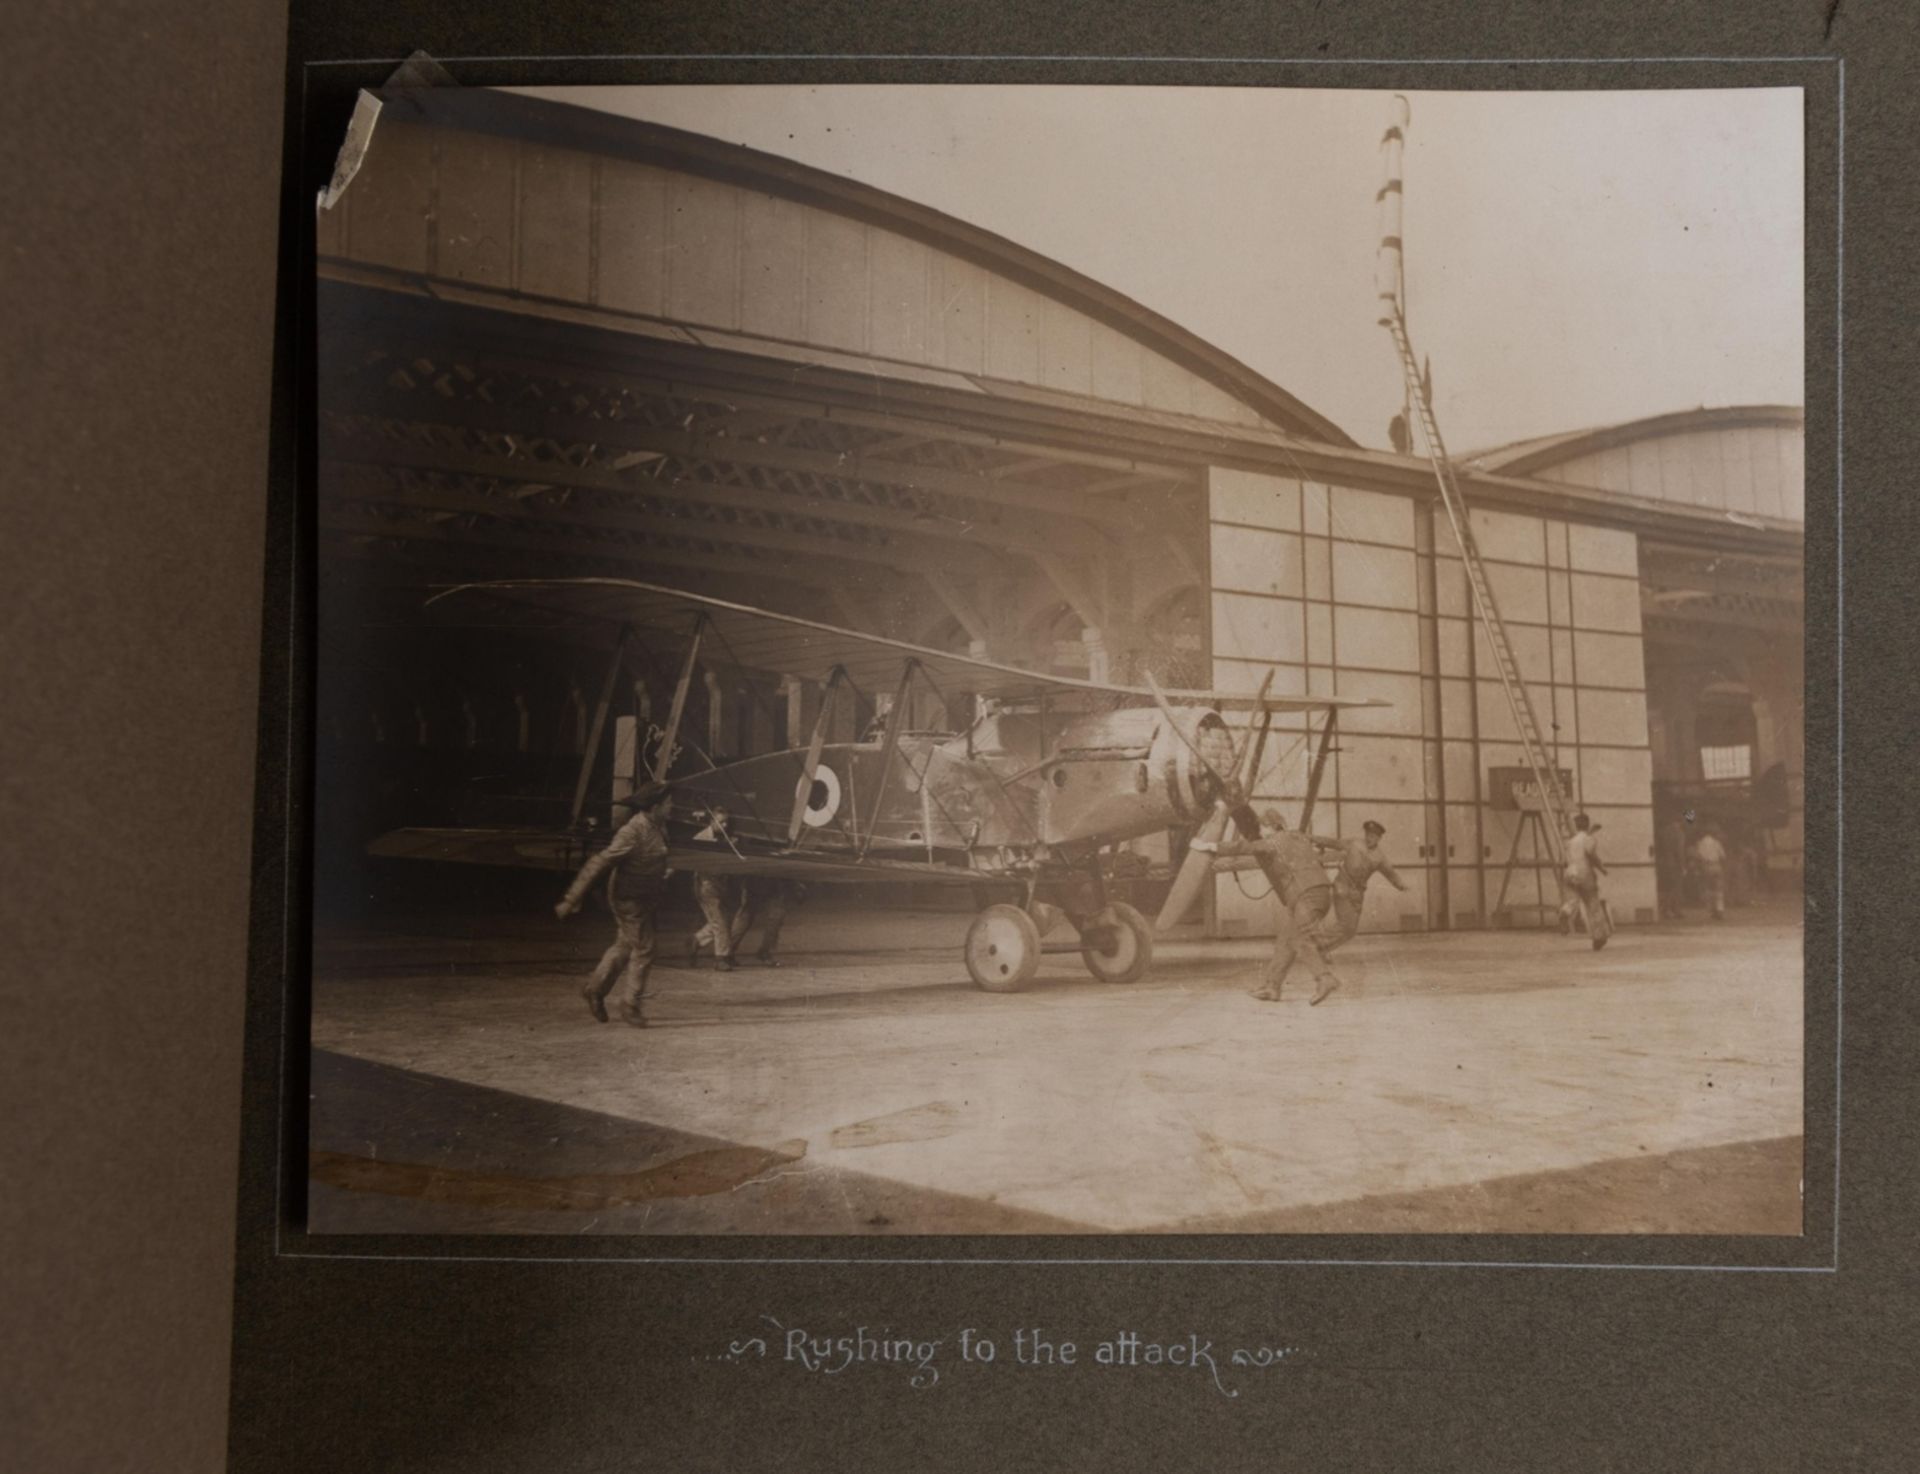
(1168,1263)
(1839,641)
(1237,61)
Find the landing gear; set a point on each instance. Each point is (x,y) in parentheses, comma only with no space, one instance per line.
(1046,916)
(1003,949)
(1117,944)
(1004,945)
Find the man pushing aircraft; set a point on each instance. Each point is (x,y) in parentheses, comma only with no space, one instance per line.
(1305,898)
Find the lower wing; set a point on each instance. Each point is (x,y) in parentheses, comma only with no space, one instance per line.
(563,850)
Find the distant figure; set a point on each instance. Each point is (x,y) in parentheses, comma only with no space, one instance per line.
(766,902)
(1671,870)
(1305,897)
(1711,857)
(638,859)
(1583,883)
(720,896)
(1743,873)
(1360,861)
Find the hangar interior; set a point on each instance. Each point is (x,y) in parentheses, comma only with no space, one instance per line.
(557,343)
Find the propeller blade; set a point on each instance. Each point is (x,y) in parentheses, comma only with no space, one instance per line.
(1194,871)
(1256,742)
(1235,806)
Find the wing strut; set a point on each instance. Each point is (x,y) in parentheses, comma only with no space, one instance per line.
(896,719)
(599,726)
(663,758)
(1319,767)
(803,790)
(1250,769)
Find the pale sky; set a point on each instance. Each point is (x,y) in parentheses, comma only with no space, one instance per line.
(1573,258)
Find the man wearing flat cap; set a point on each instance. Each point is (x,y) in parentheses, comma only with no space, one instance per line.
(1360,860)
(638,859)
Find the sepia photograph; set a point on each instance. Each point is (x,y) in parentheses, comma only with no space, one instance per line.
(1048,660)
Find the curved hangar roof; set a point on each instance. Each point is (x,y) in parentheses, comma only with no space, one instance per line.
(1748,459)
(557,205)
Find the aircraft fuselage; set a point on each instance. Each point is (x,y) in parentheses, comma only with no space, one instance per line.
(1006,798)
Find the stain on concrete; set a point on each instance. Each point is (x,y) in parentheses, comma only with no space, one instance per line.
(929,1122)
(1420,1100)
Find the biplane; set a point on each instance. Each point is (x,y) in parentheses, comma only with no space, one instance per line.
(1034,785)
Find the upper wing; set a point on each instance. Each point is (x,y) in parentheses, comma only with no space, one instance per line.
(785,644)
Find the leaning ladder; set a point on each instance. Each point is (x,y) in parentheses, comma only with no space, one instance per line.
(1546,773)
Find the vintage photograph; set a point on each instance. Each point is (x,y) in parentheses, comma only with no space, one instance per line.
(905,660)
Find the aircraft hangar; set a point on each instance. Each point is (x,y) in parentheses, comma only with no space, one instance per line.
(555,342)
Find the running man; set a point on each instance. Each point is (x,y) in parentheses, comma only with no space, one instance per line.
(638,859)
(1711,856)
(1360,861)
(1583,884)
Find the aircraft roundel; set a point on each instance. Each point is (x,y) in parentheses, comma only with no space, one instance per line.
(824,802)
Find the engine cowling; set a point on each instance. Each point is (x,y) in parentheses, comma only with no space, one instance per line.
(1122,774)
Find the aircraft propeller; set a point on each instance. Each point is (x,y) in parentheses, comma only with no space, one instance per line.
(1232,804)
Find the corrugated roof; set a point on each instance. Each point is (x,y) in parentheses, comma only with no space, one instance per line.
(503,114)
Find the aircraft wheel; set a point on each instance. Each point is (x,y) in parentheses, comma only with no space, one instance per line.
(1122,949)
(1003,949)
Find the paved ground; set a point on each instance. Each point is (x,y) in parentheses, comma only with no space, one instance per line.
(1513,1082)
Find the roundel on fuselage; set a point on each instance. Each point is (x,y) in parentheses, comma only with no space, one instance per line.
(823,802)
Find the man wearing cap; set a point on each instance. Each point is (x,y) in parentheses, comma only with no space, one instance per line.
(638,859)
(1583,883)
(1360,861)
(1305,898)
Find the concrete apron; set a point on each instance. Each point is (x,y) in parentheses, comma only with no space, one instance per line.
(1442,1061)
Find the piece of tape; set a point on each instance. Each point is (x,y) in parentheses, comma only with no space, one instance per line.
(353,149)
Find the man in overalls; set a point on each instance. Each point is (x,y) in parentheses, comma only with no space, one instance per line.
(638,859)
(1305,897)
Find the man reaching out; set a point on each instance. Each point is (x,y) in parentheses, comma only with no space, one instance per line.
(1360,861)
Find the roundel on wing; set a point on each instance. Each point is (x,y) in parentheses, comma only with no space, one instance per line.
(823,802)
